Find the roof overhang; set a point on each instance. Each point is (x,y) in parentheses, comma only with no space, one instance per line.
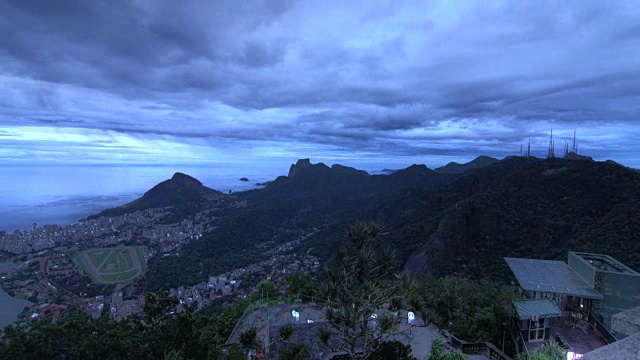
(550,276)
(542,308)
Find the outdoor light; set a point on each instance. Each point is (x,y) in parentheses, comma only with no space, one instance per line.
(573,356)
(373,322)
(295,314)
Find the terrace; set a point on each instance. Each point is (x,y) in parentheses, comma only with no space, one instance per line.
(270,316)
(265,316)
(578,337)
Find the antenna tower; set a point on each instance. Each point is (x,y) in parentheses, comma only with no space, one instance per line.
(551,152)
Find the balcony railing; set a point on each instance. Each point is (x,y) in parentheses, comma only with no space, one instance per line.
(482,348)
(602,330)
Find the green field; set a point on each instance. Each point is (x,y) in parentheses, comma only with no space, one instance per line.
(110,278)
(112,265)
(129,275)
(98,256)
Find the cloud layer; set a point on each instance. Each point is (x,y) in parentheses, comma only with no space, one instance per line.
(194,81)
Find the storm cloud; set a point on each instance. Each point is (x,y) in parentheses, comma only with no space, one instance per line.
(404,82)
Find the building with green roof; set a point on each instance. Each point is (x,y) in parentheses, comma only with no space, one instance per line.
(582,294)
(535,317)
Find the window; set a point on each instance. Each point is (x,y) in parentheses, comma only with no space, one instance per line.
(536,329)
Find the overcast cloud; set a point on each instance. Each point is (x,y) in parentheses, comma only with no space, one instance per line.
(259,81)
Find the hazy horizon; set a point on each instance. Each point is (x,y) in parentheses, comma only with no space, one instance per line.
(59,194)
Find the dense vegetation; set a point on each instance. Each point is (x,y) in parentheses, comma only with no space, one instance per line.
(524,208)
(472,310)
(518,207)
(156,335)
(359,285)
(288,208)
(440,224)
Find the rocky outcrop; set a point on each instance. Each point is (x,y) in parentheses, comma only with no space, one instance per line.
(299,166)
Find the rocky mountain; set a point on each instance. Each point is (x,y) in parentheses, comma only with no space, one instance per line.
(184,195)
(455,168)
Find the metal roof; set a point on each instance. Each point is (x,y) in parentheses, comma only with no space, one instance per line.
(541,307)
(550,276)
(627,348)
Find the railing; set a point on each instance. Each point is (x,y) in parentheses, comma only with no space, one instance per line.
(495,353)
(483,348)
(521,345)
(238,324)
(562,342)
(602,330)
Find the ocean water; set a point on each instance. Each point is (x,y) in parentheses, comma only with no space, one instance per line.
(10,307)
(65,194)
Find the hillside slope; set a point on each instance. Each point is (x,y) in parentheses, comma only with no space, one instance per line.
(455,168)
(312,197)
(522,208)
(183,194)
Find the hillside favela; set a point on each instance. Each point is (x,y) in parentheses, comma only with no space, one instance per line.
(437,180)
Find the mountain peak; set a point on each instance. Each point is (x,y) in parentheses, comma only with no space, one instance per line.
(298,166)
(185,179)
(183,193)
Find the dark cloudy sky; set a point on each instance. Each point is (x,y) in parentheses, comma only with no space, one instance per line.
(383,83)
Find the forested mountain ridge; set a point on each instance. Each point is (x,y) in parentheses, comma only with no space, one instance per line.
(522,207)
(455,168)
(312,197)
(437,223)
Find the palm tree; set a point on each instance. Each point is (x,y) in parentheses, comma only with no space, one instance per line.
(550,350)
(359,284)
(553,350)
(249,339)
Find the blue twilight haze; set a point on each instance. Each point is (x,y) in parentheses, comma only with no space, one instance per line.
(266,82)
(65,194)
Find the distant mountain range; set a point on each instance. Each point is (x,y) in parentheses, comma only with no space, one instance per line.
(443,221)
